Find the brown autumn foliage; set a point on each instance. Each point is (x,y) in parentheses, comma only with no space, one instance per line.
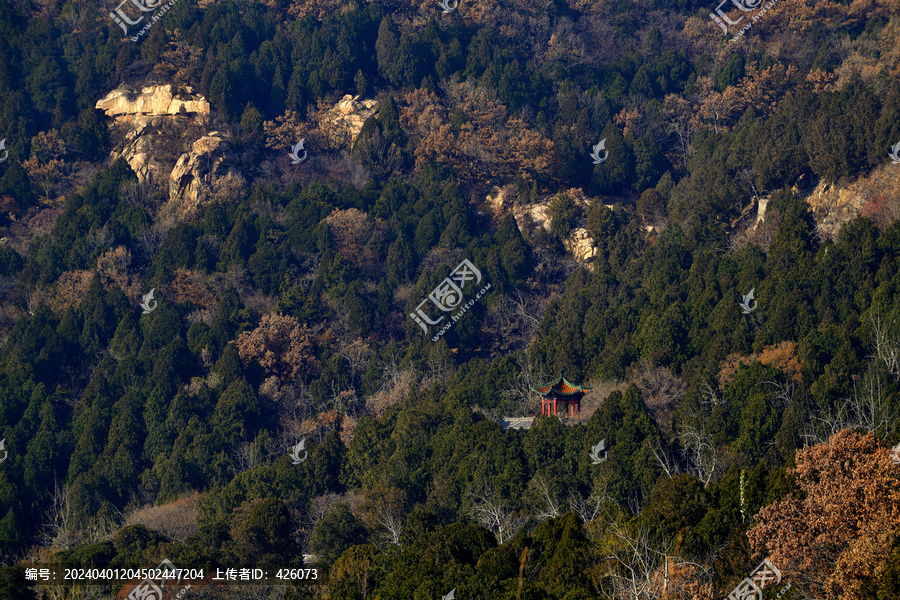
(882,210)
(71,287)
(782,356)
(45,166)
(112,266)
(836,532)
(281,345)
(191,286)
(176,520)
(474,135)
(352,230)
(285,131)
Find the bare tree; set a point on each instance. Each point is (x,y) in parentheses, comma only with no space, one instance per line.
(392,523)
(887,347)
(868,409)
(718,107)
(152,237)
(711,396)
(549,507)
(57,531)
(699,451)
(661,390)
(640,570)
(492,512)
(247,455)
(783,392)
(528,373)
(590,508)
(142,193)
(665,459)
(748,177)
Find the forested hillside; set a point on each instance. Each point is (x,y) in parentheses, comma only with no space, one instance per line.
(273,274)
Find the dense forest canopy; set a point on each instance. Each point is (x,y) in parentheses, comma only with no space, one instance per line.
(213,353)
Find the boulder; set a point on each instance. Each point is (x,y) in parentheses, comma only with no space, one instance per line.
(153,100)
(343,122)
(210,161)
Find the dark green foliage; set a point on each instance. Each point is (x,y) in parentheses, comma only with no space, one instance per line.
(121,409)
(261,531)
(336,532)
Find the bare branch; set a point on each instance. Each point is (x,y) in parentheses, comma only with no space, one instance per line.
(550,507)
(494,514)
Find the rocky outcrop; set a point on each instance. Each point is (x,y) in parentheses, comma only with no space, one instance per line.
(153,100)
(343,122)
(581,246)
(200,174)
(835,204)
(530,216)
(147,148)
(152,121)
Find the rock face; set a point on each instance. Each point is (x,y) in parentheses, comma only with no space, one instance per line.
(835,204)
(210,162)
(579,243)
(581,246)
(152,120)
(343,122)
(145,148)
(153,100)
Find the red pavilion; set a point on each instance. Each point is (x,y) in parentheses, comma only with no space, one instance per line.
(561,394)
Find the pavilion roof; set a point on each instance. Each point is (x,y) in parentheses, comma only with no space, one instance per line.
(560,387)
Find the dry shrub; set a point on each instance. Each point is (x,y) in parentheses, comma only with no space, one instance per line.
(660,388)
(285,131)
(352,229)
(71,287)
(112,266)
(395,391)
(176,520)
(782,356)
(348,424)
(281,345)
(192,286)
